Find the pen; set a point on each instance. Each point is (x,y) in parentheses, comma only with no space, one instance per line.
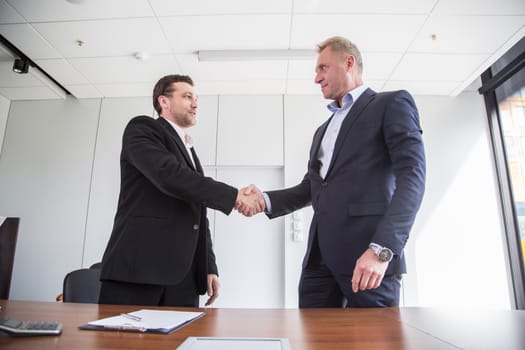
(132,317)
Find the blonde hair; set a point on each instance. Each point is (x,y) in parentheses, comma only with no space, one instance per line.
(344,46)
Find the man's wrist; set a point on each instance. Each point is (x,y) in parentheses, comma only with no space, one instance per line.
(383,253)
(268,204)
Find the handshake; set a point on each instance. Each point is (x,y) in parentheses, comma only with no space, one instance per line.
(250,201)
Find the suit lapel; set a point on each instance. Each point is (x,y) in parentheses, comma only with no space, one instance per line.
(197,161)
(315,163)
(180,145)
(366,97)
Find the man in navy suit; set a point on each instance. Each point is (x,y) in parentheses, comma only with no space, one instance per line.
(160,251)
(365,181)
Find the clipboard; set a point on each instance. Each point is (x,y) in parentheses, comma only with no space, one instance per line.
(145,321)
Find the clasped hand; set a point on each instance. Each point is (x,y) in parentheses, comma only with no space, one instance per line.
(250,201)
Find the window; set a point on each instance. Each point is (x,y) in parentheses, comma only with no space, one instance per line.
(504,92)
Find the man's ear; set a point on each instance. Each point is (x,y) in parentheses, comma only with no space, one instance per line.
(350,62)
(162,101)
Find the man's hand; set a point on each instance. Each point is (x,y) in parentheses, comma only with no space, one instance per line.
(250,201)
(213,289)
(369,271)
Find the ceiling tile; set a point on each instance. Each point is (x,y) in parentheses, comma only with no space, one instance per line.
(84,91)
(29,93)
(379,66)
(242,87)
(226,32)
(422,87)
(8,14)
(480,7)
(436,67)
(309,30)
(5,54)
(363,7)
(12,79)
(27,40)
(61,10)
(466,34)
(127,89)
(213,7)
(223,71)
(62,71)
(107,70)
(119,37)
(394,38)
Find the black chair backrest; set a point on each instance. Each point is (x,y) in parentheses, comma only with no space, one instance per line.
(82,286)
(97,265)
(8,235)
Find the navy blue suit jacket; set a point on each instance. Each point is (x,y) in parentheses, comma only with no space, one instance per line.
(160,228)
(373,187)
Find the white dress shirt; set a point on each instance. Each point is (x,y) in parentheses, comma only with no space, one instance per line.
(326,149)
(186,139)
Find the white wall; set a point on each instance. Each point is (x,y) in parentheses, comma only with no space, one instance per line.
(105,180)
(4,111)
(59,172)
(45,172)
(456,251)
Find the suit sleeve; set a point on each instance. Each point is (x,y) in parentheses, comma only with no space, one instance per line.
(290,199)
(212,264)
(403,137)
(145,149)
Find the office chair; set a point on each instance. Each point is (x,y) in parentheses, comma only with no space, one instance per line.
(97,265)
(82,286)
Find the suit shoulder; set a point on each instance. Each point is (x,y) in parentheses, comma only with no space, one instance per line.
(394,94)
(142,119)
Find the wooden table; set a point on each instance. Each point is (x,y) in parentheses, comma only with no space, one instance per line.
(307,329)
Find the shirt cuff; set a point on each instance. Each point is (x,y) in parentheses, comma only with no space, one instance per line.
(268,203)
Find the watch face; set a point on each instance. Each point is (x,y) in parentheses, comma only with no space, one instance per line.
(385,254)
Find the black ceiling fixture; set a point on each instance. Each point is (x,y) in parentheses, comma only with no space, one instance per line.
(20,66)
(28,62)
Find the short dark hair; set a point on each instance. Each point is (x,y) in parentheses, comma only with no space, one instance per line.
(164,87)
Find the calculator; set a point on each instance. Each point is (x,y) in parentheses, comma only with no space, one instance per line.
(29,328)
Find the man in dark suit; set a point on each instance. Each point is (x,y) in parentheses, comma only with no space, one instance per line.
(160,251)
(365,181)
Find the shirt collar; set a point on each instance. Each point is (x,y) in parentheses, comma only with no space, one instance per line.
(179,131)
(351,97)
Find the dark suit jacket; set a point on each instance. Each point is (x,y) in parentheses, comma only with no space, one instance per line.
(374,185)
(160,226)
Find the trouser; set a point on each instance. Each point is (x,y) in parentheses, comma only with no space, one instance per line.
(124,293)
(320,287)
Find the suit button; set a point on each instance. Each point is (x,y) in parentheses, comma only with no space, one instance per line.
(195,227)
(324,184)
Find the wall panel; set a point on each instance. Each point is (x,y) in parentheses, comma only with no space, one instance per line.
(45,172)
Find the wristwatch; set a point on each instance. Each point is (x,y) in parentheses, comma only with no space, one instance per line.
(383,253)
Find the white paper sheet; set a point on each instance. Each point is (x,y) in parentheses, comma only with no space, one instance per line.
(162,320)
